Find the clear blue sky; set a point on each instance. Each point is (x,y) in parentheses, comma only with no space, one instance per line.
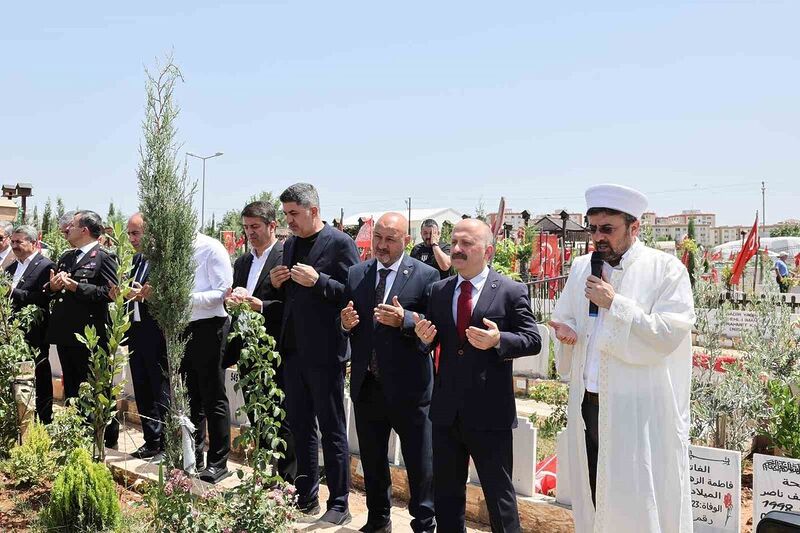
(446,102)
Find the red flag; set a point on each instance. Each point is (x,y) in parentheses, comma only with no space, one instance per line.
(567,254)
(716,256)
(229,241)
(714,275)
(364,238)
(685,258)
(797,260)
(749,249)
(241,241)
(732,256)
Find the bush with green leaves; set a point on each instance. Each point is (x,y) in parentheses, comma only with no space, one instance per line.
(556,395)
(264,399)
(13,351)
(784,423)
(68,431)
(33,461)
(84,497)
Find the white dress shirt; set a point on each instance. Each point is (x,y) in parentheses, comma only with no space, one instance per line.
(592,368)
(22,266)
(477,287)
(213,275)
(393,268)
(137,276)
(85,249)
(256,267)
(4,254)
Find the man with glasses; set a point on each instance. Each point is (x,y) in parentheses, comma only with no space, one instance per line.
(7,258)
(630,375)
(80,296)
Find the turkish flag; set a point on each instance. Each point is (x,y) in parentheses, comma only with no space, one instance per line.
(714,275)
(749,249)
(229,241)
(732,256)
(364,238)
(797,260)
(716,256)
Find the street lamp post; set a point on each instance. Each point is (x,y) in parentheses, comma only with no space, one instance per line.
(203,186)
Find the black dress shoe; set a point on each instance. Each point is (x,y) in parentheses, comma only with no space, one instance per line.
(146,451)
(369,528)
(214,474)
(338,518)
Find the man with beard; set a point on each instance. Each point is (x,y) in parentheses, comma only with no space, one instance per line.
(30,273)
(251,284)
(630,375)
(391,377)
(430,251)
(314,349)
(482,320)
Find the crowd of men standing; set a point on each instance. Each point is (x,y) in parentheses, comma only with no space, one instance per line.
(387,315)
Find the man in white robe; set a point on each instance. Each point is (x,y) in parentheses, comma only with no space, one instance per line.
(630,376)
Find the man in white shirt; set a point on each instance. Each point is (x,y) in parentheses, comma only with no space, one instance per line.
(30,273)
(6,256)
(205,378)
(630,375)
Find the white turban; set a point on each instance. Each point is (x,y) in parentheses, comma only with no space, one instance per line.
(617,197)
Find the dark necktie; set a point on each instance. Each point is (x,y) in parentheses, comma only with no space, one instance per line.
(464,309)
(380,290)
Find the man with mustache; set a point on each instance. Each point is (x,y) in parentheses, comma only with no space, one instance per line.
(481,320)
(391,376)
(314,349)
(630,375)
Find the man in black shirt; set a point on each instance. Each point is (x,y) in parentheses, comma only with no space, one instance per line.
(314,349)
(430,251)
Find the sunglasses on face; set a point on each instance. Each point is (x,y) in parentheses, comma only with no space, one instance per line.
(606,229)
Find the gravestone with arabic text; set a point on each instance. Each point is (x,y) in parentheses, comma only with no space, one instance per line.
(776,485)
(715,480)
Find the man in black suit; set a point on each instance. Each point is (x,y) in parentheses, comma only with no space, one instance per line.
(251,284)
(314,348)
(80,293)
(391,377)
(30,273)
(148,357)
(481,320)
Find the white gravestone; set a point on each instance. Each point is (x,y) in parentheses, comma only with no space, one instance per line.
(523,474)
(776,485)
(715,478)
(537,364)
(563,494)
(235,398)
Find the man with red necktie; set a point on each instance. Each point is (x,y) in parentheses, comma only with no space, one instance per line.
(481,320)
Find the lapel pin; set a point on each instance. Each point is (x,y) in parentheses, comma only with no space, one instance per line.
(494,285)
(405,272)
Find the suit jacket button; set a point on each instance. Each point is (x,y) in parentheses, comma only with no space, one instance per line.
(61,299)
(461,352)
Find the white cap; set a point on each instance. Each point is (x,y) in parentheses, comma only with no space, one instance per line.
(616,197)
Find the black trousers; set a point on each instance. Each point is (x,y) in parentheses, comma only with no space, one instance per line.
(315,393)
(150,378)
(375,418)
(205,382)
(44,383)
(590,409)
(75,370)
(287,465)
(492,453)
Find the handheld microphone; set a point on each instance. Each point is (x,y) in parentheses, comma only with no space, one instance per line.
(597,271)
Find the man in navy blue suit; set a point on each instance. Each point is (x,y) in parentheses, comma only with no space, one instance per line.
(391,376)
(481,320)
(314,348)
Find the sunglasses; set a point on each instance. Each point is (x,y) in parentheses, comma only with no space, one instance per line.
(606,229)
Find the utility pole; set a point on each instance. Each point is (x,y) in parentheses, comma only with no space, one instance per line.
(408,203)
(341,218)
(763,225)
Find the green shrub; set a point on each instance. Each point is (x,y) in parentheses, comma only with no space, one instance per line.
(784,423)
(67,432)
(557,396)
(33,461)
(83,497)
